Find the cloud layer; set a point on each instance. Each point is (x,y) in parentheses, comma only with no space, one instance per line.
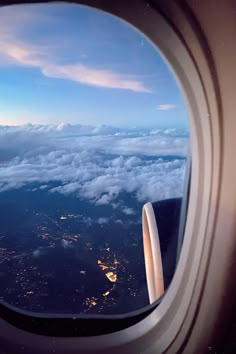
(94,163)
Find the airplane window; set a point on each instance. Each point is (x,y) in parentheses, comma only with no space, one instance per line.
(94,140)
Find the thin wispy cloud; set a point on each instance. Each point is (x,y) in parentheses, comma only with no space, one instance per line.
(94,77)
(166,107)
(15,50)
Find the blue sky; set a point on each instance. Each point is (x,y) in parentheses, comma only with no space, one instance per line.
(68,63)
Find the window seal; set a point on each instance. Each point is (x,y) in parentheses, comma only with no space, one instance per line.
(72,325)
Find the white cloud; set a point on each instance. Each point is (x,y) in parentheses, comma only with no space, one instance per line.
(104,200)
(39,252)
(165,107)
(128,211)
(36,253)
(102,221)
(44,186)
(119,221)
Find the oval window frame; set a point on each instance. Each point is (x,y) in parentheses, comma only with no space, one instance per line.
(205,164)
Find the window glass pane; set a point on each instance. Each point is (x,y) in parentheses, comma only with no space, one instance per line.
(92,127)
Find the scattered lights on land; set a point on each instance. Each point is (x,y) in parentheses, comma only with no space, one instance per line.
(101,265)
(106,293)
(111,276)
(32,284)
(91,301)
(70,216)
